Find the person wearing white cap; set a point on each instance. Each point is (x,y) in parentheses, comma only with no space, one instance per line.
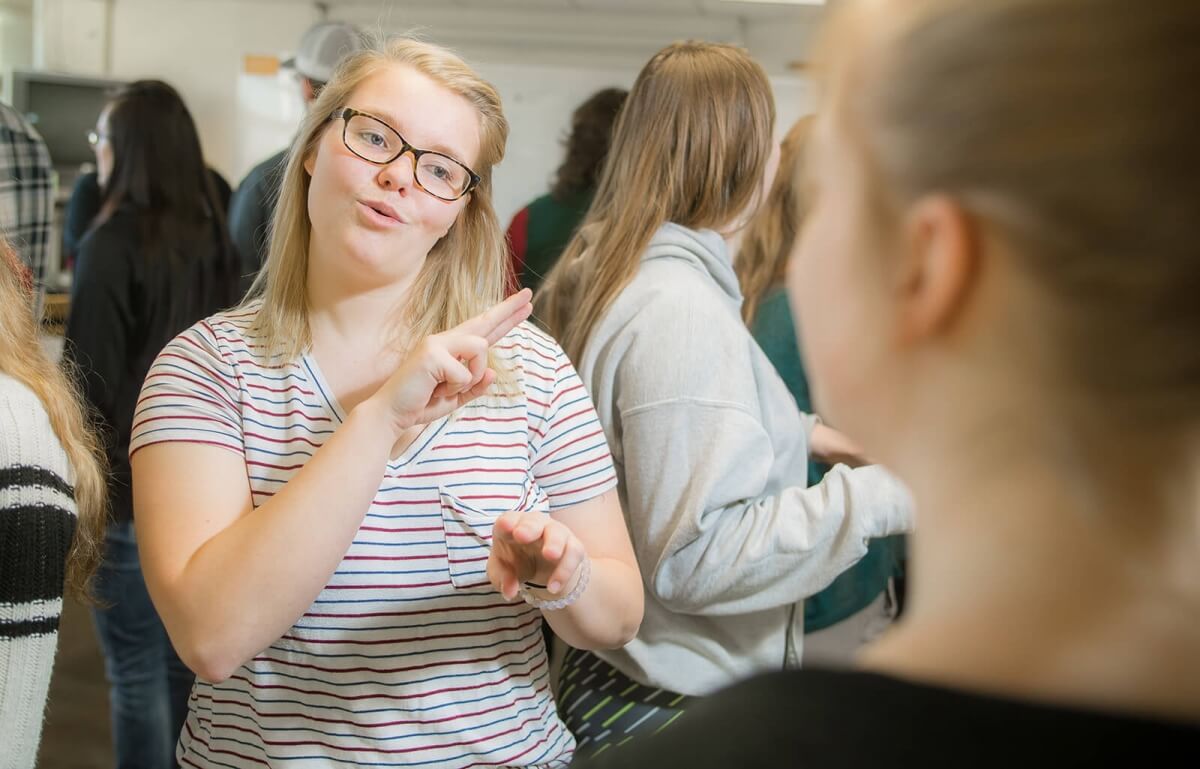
(323,46)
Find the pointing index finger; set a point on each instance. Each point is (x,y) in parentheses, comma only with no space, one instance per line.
(494,323)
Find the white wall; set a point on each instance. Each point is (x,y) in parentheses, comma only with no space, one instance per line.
(543,59)
(538,102)
(71,35)
(16,39)
(198,46)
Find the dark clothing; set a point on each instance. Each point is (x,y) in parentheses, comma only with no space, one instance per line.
(81,210)
(85,204)
(540,232)
(828,720)
(251,212)
(128,299)
(602,706)
(149,685)
(861,584)
(122,315)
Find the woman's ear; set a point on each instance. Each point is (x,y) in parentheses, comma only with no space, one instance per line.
(939,265)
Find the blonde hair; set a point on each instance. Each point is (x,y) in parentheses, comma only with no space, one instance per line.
(1065,127)
(464,273)
(762,258)
(22,358)
(690,146)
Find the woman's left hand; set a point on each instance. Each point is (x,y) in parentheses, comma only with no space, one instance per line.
(533,547)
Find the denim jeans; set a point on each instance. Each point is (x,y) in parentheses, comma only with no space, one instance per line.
(148,684)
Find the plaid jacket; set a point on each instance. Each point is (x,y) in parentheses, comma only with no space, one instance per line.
(26,191)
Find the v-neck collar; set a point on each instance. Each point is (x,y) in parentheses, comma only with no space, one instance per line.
(410,452)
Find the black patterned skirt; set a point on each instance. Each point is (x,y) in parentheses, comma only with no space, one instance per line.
(604,708)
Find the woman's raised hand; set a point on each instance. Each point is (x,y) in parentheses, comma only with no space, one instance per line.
(450,369)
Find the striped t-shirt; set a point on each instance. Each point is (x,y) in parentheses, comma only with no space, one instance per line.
(408,657)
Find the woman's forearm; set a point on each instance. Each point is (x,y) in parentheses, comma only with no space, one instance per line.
(608,613)
(247,585)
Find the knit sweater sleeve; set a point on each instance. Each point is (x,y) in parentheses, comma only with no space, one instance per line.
(37,523)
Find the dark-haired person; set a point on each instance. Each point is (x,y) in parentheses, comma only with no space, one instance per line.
(157,258)
(87,197)
(540,232)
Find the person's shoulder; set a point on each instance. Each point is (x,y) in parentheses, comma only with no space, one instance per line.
(221,183)
(227,335)
(236,324)
(15,123)
(934,719)
(117,234)
(17,395)
(28,436)
(542,203)
(775,302)
(672,296)
(87,184)
(854,718)
(530,343)
(773,325)
(263,172)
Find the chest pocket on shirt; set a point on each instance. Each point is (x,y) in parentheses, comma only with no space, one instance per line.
(468,540)
(468,533)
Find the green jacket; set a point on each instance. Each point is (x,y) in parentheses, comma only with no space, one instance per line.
(541,231)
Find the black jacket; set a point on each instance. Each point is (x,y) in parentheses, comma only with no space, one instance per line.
(121,317)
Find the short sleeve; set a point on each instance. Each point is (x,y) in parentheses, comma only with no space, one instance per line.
(570,455)
(191,394)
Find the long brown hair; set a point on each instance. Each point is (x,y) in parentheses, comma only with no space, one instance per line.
(465,271)
(762,258)
(690,146)
(1065,128)
(22,358)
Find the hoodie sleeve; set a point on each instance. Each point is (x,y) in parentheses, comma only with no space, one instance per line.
(707,538)
(697,464)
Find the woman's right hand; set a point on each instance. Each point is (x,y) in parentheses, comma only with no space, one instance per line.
(450,369)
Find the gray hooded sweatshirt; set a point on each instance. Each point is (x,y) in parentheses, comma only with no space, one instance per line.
(711,452)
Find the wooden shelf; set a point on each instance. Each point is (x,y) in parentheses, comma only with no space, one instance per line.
(55,308)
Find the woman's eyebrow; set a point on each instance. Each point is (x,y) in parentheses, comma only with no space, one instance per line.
(391,120)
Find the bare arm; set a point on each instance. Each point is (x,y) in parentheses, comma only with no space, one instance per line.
(210,558)
(228,578)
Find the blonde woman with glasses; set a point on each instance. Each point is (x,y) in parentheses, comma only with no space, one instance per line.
(360,493)
(996,287)
(710,447)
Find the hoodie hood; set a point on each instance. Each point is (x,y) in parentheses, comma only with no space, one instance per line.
(701,250)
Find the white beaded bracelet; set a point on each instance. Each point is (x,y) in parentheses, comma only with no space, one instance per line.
(552,604)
